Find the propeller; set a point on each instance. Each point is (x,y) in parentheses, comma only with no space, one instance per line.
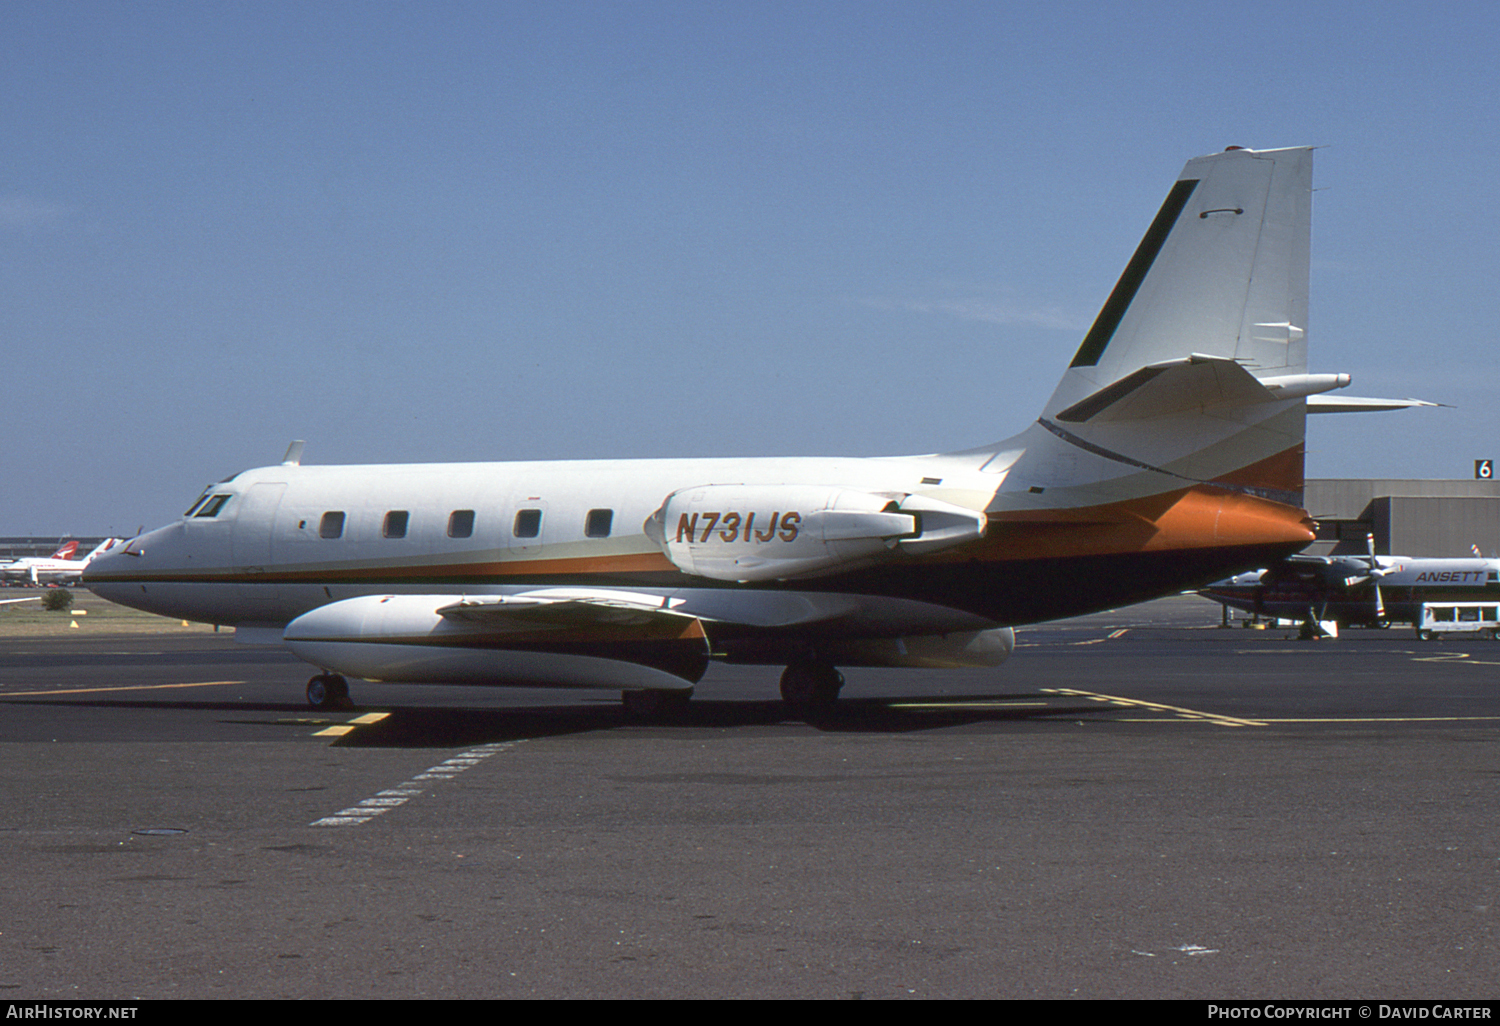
(1346,573)
(1374,574)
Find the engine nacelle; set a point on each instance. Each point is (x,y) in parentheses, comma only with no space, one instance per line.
(776,532)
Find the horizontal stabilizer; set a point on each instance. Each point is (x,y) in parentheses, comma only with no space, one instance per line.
(1361,404)
(1195,382)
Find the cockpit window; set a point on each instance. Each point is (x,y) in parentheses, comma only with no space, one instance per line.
(209,507)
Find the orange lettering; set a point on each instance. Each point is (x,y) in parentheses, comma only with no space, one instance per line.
(731,529)
(768,533)
(789,525)
(710,520)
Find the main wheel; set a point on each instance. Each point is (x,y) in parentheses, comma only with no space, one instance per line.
(811,686)
(328,691)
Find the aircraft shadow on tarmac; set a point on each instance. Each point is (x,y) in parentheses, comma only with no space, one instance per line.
(445,727)
(440,727)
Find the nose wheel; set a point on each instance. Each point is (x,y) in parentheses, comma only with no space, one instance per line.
(328,691)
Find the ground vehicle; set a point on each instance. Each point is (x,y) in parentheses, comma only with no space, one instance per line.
(1459,618)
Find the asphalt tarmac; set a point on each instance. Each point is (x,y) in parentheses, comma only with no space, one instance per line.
(1140,804)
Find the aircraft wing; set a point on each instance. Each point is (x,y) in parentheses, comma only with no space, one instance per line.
(546,611)
(574,637)
(568,607)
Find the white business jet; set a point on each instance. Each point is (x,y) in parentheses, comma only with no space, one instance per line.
(1169,455)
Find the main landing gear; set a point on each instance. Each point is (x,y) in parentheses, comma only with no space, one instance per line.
(806,687)
(329,691)
(811,687)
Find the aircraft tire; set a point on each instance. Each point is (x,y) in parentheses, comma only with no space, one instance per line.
(328,691)
(811,686)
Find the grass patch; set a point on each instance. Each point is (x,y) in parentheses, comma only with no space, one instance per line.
(92,614)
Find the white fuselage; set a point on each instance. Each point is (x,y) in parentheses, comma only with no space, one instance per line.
(265,555)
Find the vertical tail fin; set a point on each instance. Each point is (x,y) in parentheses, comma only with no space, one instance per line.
(1221,272)
(1195,371)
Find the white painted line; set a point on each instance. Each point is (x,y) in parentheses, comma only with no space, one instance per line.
(394,797)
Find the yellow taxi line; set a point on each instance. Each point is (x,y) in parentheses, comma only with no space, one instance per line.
(123,687)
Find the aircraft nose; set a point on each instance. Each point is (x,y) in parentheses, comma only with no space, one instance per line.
(122,562)
(101,569)
(105,563)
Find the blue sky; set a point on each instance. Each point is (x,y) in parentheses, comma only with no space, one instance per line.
(474,231)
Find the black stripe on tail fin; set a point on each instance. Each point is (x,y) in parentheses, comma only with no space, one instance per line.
(1135,273)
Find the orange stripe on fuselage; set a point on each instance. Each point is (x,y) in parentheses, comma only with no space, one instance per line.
(1192,518)
(643,562)
(1282,472)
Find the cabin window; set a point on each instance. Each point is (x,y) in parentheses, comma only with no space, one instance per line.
(598,523)
(461,523)
(211,507)
(528,523)
(395,524)
(331,526)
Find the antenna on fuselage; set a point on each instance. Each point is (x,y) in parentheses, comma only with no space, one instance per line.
(293,457)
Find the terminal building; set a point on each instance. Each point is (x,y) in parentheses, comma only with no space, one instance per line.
(1440,518)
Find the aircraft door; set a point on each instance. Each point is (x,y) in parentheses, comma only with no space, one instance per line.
(251,548)
(527,527)
(251,538)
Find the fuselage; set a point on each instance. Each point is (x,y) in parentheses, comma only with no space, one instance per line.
(269,544)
